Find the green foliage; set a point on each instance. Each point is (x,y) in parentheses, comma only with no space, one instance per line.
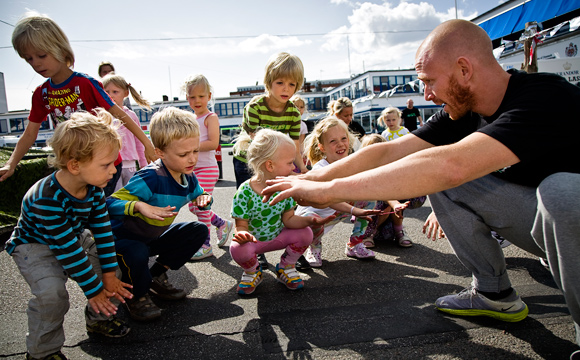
(13,189)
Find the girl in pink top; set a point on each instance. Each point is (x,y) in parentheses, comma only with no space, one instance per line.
(133,150)
(198,93)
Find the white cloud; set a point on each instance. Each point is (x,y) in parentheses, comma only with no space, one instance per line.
(386,35)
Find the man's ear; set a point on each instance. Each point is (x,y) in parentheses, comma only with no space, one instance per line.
(466,68)
(73,166)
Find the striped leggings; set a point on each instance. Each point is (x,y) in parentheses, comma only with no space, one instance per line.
(207,177)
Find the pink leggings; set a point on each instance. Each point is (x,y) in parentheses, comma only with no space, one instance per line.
(295,241)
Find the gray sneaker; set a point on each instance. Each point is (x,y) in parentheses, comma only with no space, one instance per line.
(469,302)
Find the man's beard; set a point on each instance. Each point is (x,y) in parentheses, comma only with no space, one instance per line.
(463,99)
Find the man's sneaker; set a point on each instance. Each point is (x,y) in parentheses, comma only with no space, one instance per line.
(249,282)
(263,261)
(544,263)
(314,256)
(359,251)
(289,277)
(500,239)
(113,327)
(302,264)
(223,232)
(161,287)
(54,356)
(143,308)
(470,302)
(203,252)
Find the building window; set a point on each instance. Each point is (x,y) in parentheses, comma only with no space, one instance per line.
(3,126)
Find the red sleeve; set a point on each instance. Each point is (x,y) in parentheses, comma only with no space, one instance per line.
(38,111)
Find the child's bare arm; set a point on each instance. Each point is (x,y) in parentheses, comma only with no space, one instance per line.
(117,112)
(154,212)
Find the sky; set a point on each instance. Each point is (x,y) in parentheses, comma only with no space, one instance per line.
(155,47)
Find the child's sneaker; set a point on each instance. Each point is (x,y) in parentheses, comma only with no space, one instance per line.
(302,264)
(369,242)
(249,282)
(500,239)
(223,232)
(203,252)
(142,309)
(113,327)
(263,261)
(314,256)
(289,277)
(54,356)
(359,251)
(470,302)
(161,287)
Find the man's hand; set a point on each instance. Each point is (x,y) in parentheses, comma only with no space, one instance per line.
(432,228)
(305,192)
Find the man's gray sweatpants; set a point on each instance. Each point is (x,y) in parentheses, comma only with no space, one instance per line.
(544,221)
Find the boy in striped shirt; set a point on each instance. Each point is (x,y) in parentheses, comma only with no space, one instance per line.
(50,244)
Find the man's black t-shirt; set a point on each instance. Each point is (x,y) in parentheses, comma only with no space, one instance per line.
(410,118)
(357,129)
(537,120)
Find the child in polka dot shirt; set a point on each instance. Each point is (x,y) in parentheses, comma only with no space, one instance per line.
(261,227)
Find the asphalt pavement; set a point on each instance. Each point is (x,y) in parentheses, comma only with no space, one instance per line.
(348,309)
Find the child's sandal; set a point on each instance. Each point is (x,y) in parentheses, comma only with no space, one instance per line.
(403,239)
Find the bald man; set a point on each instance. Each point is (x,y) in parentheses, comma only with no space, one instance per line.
(488,162)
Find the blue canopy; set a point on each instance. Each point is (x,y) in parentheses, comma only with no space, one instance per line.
(534,10)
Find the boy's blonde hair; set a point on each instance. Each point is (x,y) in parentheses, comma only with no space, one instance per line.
(312,141)
(41,33)
(371,139)
(382,120)
(297,98)
(79,137)
(170,124)
(336,106)
(122,84)
(262,148)
(284,65)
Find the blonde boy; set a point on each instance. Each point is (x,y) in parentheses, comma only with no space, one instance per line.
(49,243)
(142,213)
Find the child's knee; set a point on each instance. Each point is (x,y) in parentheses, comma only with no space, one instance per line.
(52,298)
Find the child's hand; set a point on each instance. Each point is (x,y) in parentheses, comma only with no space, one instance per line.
(116,286)
(315,220)
(202,201)
(101,303)
(242,237)
(398,209)
(155,212)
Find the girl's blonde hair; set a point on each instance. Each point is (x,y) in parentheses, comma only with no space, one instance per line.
(297,98)
(312,141)
(262,148)
(122,84)
(371,139)
(284,65)
(336,106)
(382,120)
(170,124)
(41,33)
(79,137)
(194,80)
